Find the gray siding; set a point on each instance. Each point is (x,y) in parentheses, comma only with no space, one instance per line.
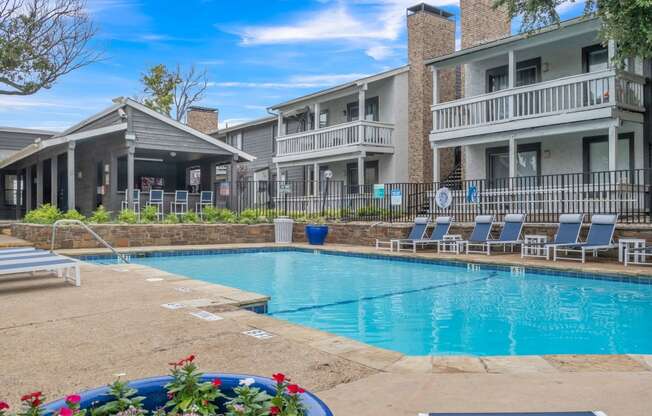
(108,120)
(13,141)
(153,133)
(259,142)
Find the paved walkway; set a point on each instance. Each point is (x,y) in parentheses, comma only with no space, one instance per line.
(61,339)
(8,241)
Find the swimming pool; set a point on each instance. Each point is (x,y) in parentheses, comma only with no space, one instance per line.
(423,308)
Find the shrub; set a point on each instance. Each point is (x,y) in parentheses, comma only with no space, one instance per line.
(73,214)
(251,216)
(214,215)
(190,217)
(128,216)
(171,219)
(149,214)
(45,214)
(100,216)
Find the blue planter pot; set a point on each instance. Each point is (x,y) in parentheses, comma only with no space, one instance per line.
(154,391)
(316,234)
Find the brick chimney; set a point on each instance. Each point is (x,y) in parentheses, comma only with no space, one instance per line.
(431,33)
(202,118)
(482,23)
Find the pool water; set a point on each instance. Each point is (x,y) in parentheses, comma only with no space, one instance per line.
(426,308)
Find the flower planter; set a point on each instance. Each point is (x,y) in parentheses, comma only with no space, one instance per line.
(316,234)
(154,391)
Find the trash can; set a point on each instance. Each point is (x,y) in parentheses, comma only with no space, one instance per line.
(283,229)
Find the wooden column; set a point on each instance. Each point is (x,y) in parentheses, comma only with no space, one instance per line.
(28,189)
(39,183)
(54,180)
(234,182)
(131,151)
(512,158)
(511,82)
(613,148)
(435,163)
(71,175)
(361,173)
(361,111)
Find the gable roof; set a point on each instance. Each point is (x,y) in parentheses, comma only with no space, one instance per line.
(246,124)
(590,23)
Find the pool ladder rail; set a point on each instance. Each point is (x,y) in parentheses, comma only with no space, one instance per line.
(87,228)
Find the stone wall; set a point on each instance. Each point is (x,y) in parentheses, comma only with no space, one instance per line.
(140,235)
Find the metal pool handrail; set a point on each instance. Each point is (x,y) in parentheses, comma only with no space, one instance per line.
(87,228)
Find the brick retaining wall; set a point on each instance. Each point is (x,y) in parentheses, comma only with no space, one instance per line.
(122,235)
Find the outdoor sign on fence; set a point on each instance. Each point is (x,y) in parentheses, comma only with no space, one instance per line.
(443,198)
(285,188)
(472,195)
(396,197)
(379,191)
(225,189)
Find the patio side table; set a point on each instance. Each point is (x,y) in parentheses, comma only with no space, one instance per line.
(450,244)
(629,243)
(536,240)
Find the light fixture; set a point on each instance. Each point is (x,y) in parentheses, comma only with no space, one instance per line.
(173,154)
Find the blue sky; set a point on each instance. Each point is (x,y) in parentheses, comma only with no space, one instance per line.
(257,53)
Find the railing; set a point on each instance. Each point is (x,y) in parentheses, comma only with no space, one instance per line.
(87,228)
(542,198)
(341,135)
(563,95)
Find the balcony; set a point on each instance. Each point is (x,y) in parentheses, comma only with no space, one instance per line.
(550,102)
(341,138)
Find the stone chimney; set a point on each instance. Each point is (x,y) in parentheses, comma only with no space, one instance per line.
(482,23)
(202,118)
(431,33)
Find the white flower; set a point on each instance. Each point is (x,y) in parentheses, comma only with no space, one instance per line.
(247,381)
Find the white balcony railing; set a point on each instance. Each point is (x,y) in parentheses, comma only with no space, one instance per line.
(563,95)
(347,134)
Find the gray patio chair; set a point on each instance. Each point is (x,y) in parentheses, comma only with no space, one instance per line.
(416,233)
(600,238)
(156,200)
(180,204)
(481,230)
(568,232)
(509,236)
(442,225)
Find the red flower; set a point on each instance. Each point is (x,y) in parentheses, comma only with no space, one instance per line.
(4,406)
(294,389)
(205,402)
(64,411)
(274,410)
(217,382)
(190,358)
(279,377)
(73,399)
(170,396)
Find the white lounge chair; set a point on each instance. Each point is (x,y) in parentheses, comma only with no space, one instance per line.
(41,261)
(600,238)
(442,225)
(509,236)
(418,231)
(480,233)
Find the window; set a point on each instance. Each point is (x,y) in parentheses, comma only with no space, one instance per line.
(235,140)
(596,153)
(10,189)
(323,119)
(372,110)
(595,58)
(497,79)
(528,72)
(528,161)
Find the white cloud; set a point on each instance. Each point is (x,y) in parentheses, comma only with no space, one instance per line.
(371,25)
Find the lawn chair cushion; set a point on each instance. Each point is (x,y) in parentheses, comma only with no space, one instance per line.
(571,218)
(604,219)
(483,219)
(513,226)
(419,228)
(443,224)
(482,228)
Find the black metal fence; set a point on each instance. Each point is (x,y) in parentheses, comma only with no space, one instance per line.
(542,198)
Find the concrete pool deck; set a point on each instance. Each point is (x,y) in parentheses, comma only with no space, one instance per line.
(61,339)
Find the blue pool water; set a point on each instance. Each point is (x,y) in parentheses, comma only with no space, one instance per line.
(426,308)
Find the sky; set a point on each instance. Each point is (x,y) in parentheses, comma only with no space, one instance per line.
(256,53)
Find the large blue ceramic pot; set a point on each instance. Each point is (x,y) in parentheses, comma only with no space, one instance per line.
(316,234)
(156,396)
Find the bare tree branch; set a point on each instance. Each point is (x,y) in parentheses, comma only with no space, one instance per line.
(189,90)
(41,41)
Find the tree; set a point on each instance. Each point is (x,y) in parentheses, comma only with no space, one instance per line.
(42,40)
(173,92)
(627,22)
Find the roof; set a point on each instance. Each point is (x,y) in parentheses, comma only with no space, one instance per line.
(247,124)
(371,78)
(28,131)
(72,134)
(514,40)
